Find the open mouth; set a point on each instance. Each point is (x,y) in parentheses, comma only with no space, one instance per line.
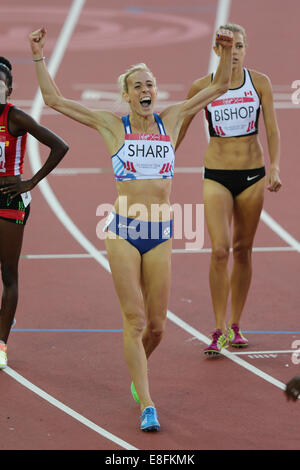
(146,102)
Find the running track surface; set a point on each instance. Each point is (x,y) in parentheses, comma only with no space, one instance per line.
(68,340)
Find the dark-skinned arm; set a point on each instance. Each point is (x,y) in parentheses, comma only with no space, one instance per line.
(20,123)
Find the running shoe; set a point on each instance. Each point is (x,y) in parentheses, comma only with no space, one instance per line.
(3,356)
(219,341)
(134,393)
(235,337)
(149,421)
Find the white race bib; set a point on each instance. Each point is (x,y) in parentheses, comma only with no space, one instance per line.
(26,198)
(2,154)
(148,154)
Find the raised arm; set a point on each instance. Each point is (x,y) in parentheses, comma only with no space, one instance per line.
(100,120)
(207,89)
(221,81)
(204,92)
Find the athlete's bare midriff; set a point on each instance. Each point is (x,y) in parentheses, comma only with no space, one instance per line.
(234,153)
(144,199)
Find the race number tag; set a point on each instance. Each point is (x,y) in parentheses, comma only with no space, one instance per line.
(2,154)
(148,154)
(26,197)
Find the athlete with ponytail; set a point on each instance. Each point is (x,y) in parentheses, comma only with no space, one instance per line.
(234,184)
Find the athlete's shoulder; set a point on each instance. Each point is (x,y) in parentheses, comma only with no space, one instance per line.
(16,114)
(262,83)
(259,77)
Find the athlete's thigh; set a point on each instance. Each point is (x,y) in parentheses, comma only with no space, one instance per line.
(125,264)
(247,209)
(11,238)
(218,208)
(156,278)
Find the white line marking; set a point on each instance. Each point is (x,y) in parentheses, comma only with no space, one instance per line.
(286,105)
(175,251)
(58,404)
(282,351)
(280,231)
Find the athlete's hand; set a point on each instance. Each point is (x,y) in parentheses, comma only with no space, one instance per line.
(224,38)
(273,180)
(292,390)
(17,188)
(37,41)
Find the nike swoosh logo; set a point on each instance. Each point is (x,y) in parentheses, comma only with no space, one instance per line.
(249,178)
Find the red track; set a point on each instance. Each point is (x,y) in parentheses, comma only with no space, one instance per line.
(202,404)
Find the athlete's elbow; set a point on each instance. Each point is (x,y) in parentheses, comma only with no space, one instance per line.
(50,100)
(63,148)
(59,147)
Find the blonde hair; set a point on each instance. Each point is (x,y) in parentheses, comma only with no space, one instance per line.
(122,80)
(235,28)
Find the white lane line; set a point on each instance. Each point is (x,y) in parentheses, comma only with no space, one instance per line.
(280,231)
(174,251)
(281,351)
(46,190)
(58,404)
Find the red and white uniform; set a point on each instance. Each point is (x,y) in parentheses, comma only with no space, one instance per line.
(236,112)
(12,149)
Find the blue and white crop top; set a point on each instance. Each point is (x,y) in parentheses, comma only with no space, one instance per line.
(144,156)
(236,112)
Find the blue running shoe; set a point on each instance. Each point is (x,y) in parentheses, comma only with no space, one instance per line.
(149,420)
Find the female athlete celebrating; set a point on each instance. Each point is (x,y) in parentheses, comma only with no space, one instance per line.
(234,183)
(14,193)
(139,249)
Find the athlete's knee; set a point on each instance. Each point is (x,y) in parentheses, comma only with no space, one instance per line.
(220,254)
(9,275)
(156,328)
(134,320)
(242,252)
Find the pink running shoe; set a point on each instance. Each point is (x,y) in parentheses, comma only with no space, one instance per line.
(235,337)
(219,341)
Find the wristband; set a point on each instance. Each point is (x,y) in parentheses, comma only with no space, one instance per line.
(38,60)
